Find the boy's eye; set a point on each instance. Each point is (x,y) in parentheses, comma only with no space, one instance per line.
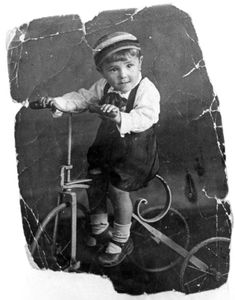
(113,70)
(129,66)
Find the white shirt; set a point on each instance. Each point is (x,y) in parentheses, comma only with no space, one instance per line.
(145,110)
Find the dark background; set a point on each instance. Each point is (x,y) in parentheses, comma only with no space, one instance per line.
(56,57)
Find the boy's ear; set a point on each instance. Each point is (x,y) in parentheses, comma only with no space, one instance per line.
(141,60)
(99,69)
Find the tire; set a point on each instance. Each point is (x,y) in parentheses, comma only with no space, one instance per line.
(48,250)
(155,256)
(213,272)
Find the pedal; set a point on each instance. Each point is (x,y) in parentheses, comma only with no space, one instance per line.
(79,181)
(74,186)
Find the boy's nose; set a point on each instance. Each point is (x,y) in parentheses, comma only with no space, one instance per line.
(123,73)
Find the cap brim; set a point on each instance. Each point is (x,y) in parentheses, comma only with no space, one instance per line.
(117,50)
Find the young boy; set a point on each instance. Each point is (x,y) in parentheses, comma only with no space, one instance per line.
(123,157)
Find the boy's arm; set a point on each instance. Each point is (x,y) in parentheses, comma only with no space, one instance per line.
(145,112)
(79,101)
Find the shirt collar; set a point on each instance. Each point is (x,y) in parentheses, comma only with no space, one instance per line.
(125,95)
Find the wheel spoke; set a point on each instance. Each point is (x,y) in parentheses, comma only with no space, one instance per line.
(225,274)
(195,279)
(66,246)
(175,227)
(210,253)
(197,269)
(203,282)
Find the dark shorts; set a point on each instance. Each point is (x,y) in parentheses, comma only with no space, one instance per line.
(127,162)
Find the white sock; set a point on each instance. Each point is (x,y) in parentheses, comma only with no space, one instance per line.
(99,222)
(113,248)
(121,234)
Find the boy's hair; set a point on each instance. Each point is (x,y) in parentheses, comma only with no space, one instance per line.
(121,55)
(111,46)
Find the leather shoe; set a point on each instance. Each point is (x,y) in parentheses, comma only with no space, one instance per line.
(99,239)
(111,260)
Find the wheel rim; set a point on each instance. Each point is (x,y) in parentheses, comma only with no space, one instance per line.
(42,246)
(215,253)
(148,255)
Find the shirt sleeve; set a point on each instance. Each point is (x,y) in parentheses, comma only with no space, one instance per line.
(145,112)
(80,100)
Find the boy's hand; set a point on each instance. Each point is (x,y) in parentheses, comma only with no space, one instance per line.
(46,102)
(41,103)
(107,110)
(112,112)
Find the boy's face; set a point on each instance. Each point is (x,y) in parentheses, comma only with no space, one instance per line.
(123,75)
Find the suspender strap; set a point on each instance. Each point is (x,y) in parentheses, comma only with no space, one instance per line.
(131,98)
(106,88)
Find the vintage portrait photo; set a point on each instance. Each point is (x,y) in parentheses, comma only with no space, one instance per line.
(120,150)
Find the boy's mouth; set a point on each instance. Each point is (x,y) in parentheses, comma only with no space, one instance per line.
(124,82)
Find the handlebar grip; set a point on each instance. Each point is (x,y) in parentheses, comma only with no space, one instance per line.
(97,109)
(42,103)
(94,108)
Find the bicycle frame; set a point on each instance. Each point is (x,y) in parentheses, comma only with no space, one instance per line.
(158,237)
(68,197)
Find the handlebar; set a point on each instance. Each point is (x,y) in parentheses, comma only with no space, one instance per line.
(42,103)
(45,102)
(93,108)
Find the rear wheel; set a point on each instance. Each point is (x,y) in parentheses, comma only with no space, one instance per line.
(154,256)
(214,252)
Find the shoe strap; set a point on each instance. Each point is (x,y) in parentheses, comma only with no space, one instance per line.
(121,245)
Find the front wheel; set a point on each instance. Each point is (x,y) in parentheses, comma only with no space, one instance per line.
(51,246)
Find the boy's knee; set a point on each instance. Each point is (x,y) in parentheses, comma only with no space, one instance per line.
(116,193)
(98,189)
(95,174)
(98,178)
(95,171)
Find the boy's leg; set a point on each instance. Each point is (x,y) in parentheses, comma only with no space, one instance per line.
(122,205)
(120,244)
(97,194)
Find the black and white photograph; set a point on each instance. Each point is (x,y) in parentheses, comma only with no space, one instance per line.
(122,159)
